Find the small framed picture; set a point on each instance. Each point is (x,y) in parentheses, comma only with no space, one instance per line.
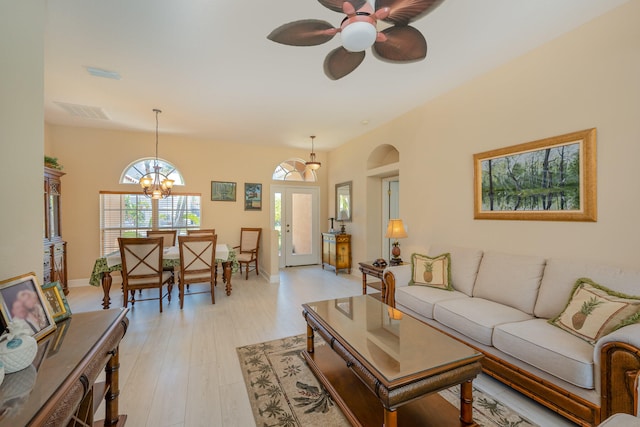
(223,191)
(252,197)
(58,304)
(21,298)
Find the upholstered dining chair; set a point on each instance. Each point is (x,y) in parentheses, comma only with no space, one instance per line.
(169,236)
(197,263)
(248,249)
(142,268)
(201,232)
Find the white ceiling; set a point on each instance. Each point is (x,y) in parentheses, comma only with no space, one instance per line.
(209,66)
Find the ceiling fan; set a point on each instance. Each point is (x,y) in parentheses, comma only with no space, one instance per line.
(399,42)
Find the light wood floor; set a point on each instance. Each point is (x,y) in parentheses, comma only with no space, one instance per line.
(180,368)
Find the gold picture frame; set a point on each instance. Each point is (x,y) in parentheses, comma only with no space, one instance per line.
(21,298)
(223,191)
(552,179)
(58,304)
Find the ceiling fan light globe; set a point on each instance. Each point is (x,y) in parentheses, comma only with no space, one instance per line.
(358,36)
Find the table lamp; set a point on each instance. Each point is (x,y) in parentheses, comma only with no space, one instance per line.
(395,230)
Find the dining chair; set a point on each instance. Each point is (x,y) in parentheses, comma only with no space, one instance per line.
(169,236)
(248,249)
(201,232)
(197,263)
(142,268)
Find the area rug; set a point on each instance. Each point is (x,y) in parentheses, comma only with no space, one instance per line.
(284,392)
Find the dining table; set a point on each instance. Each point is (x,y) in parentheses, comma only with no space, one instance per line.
(105,265)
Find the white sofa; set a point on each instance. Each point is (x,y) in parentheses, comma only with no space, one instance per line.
(501,303)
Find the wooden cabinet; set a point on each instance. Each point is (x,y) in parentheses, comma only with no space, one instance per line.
(336,251)
(55,248)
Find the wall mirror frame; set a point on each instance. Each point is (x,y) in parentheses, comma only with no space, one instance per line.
(343,201)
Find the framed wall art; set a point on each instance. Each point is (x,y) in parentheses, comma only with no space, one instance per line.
(223,191)
(57,302)
(21,299)
(553,179)
(252,197)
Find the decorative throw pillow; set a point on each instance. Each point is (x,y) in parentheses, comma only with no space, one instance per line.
(431,271)
(594,311)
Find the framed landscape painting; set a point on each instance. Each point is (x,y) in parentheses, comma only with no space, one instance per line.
(553,179)
(223,191)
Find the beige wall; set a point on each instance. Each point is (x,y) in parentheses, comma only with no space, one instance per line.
(587,78)
(21,136)
(94,159)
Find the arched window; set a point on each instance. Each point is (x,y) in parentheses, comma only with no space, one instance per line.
(141,167)
(294,170)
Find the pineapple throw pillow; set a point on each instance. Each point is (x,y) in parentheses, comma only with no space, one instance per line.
(594,311)
(431,271)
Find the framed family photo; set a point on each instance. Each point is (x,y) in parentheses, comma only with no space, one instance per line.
(553,179)
(21,298)
(57,302)
(252,197)
(223,191)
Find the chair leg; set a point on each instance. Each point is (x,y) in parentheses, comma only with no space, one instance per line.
(160,297)
(246,272)
(181,292)
(257,267)
(213,295)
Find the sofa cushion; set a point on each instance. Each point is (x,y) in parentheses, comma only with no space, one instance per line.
(538,343)
(594,311)
(510,279)
(560,277)
(431,271)
(476,317)
(421,299)
(464,265)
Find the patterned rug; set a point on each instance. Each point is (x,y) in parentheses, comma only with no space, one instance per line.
(284,392)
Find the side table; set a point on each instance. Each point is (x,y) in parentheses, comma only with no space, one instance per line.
(367,268)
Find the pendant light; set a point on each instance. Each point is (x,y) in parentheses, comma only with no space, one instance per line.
(312,164)
(154,184)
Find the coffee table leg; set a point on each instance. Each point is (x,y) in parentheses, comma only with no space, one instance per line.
(466,402)
(390,418)
(310,348)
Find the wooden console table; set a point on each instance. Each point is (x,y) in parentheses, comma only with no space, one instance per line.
(59,388)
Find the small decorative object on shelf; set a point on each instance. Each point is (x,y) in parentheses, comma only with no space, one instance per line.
(17,347)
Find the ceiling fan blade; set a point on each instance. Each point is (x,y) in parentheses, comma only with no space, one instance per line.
(403,44)
(336,5)
(340,62)
(402,12)
(306,32)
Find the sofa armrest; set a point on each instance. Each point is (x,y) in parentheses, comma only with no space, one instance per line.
(392,277)
(617,356)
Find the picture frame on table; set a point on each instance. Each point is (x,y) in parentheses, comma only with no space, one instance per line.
(252,197)
(21,298)
(58,304)
(552,179)
(223,191)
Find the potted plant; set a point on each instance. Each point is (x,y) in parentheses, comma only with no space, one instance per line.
(52,162)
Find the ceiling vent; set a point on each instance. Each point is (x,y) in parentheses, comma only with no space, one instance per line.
(106,74)
(85,111)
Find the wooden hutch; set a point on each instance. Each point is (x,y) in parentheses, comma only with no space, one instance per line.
(336,251)
(55,249)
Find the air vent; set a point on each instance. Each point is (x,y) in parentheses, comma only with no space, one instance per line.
(106,74)
(85,111)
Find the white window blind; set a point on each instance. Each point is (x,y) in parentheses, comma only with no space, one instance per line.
(133,214)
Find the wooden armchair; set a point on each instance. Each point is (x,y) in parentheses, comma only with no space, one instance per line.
(142,268)
(197,263)
(248,249)
(169,236)
(202,232)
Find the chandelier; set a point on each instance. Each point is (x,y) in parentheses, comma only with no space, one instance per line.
(155,184)
(312,164)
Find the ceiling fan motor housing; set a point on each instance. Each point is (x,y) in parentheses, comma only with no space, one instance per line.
(358,32)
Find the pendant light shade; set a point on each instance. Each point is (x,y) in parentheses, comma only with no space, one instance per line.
(312,163)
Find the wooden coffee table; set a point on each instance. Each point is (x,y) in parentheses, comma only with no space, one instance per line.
(393,362)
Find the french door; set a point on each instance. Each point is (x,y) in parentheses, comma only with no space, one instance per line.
(296,215)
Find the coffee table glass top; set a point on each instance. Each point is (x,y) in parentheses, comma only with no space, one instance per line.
(395,344)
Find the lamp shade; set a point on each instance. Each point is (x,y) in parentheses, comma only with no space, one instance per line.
(395,229)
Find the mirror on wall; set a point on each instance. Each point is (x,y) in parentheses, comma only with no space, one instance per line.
(343,201)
